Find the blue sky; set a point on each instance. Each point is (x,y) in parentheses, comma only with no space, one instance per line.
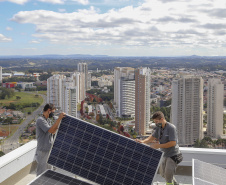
(113,27)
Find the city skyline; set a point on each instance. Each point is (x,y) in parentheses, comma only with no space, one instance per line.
(114,28)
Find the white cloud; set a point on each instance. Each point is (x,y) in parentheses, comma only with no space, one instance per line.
(16,1)
(61,10)
(53,1)
(4,38)
(9,28)
(155,23)
(30,49)
(84,2)
(34,42)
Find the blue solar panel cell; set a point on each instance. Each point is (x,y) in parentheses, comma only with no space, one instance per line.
(102,156)
(50,177)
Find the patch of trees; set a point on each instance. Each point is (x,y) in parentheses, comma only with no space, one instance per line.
(94,83)
(1,153)
(41,88)
(99,74)
(6,93)
(35,70)
(22,105)
(107,96)
(19,79)
(207,142)
(104,121)
(103,95)
(30,89)
(44,77)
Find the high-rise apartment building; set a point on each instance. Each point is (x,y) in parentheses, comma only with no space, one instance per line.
(89,79)
(0,74)
(123,76)
(69,97)
(83,68)
(79,81)
(142,100)
(54,90)
(215,99)
(187,108)
(127,97)
(64,92)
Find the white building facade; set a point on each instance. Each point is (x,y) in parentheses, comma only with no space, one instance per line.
(127,97)
(54,90)
(0,74)
(79,81)
(187,108)
(69,103)
(83,68)
(119,73)
(215,99)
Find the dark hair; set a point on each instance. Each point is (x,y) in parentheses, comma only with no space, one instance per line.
(48,106)
(158,115)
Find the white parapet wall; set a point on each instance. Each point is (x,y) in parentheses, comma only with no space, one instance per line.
(213,156)
(16,160)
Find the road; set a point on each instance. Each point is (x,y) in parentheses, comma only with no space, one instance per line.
(13,142)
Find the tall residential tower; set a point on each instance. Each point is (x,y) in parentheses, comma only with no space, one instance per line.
(215,99)
(0,74)
(124,91)
(83,68)
(187,108)
(54,90)
(142,100)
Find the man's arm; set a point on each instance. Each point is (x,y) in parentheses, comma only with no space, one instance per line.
(150,139)
(165,145)
(55,126)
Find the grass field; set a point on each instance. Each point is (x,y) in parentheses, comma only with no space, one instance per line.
(27,98)
(42,92)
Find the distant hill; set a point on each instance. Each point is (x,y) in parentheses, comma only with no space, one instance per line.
(53,56)
(53,62)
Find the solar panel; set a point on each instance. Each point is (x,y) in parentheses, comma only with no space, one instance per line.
(205,173)
(102,156)
(50,177)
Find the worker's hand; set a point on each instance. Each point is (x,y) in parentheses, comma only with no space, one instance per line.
(155,145)
(138,140)
(62,115)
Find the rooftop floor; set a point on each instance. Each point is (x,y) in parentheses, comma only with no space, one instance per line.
(183,180)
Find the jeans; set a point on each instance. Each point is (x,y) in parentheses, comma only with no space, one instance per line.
(167,170)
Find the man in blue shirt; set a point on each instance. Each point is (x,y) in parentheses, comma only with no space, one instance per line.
(44,135)
(165,138)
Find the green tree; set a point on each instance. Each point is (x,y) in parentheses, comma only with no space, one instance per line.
(1,153)
(6,93)
(197,143)
(94,83)
(203,144)
(44,77)
(208,140)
